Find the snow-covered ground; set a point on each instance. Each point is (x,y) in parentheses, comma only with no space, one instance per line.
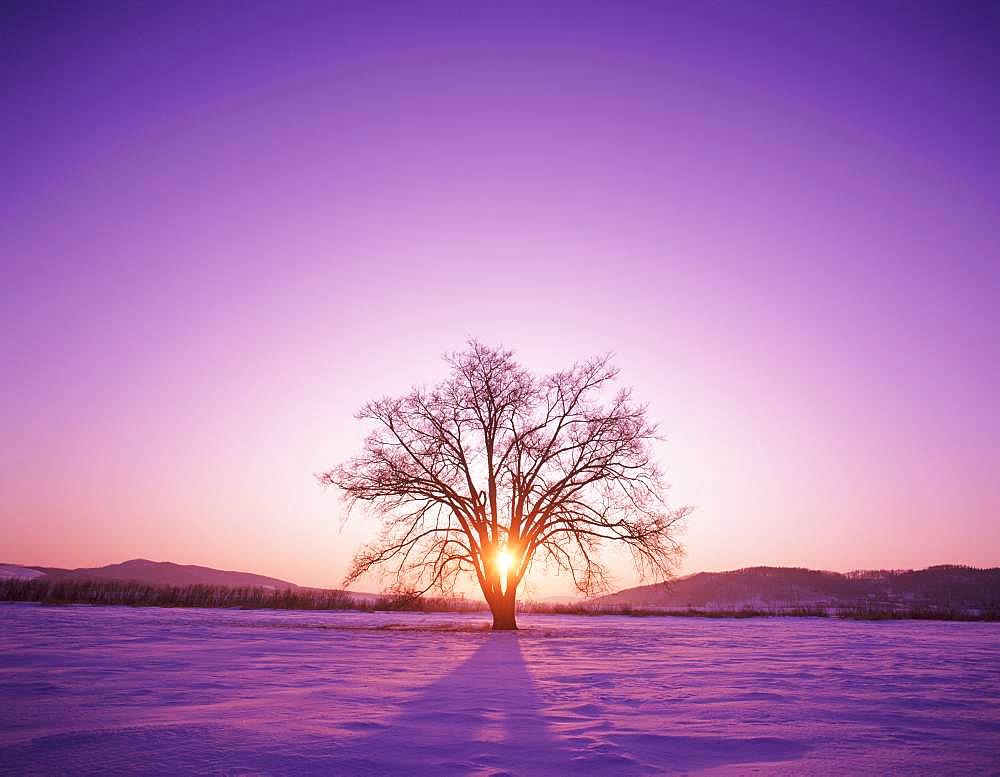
(86,690)
(15,572)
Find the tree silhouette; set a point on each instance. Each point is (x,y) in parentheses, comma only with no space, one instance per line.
(494,470)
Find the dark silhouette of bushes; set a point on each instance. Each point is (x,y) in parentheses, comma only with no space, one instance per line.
(142,595)
(133,594)
(584,608)
(926,613)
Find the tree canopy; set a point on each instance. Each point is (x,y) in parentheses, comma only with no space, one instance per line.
(495,470)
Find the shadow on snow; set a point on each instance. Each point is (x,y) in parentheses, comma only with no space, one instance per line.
(485,716)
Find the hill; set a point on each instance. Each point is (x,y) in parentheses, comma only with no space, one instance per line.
(787,587)
(160,573)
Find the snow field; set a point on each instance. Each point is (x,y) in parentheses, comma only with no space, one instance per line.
(88,690)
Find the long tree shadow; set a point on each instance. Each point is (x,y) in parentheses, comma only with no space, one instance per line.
(484,717)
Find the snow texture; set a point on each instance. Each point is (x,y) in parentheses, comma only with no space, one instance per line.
(89,690)
(14,572)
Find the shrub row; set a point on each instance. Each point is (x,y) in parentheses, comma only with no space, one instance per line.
(134,594)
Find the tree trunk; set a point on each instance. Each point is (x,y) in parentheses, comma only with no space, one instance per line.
(503,609)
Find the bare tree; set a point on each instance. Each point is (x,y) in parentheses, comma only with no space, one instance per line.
(494,470)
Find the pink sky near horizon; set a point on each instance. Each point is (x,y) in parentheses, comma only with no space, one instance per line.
(208,269)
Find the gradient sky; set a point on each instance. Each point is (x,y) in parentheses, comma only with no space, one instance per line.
(225,226)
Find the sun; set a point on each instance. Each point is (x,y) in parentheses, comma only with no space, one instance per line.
(504,562)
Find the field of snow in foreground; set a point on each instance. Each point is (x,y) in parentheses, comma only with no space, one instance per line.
(87,690)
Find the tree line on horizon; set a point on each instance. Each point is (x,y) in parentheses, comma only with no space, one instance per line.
(136,594)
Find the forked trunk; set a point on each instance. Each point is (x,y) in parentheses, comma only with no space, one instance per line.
(504,616)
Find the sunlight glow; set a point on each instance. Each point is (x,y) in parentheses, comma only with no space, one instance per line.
(504,562)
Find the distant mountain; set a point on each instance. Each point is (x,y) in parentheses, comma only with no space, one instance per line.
(149,572)
(955,587)
(782,587)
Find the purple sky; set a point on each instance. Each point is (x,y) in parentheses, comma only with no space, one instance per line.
(225,226)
